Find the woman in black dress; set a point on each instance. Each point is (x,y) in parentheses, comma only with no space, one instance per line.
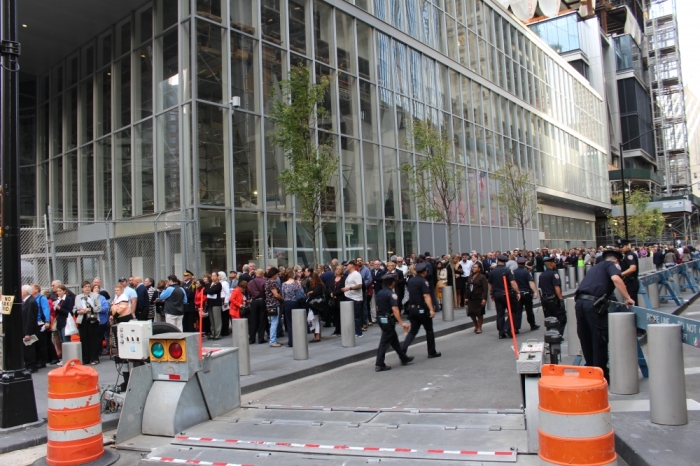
(476,293)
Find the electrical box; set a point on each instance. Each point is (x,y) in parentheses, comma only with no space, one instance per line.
(175,356)
(530,359)
(133,338)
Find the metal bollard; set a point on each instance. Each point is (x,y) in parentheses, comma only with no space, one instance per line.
(448,312)
(347,324)
(677,280)
(239,332)
(562,278)
(624,376)
(490,303)
(301,342)
(653,292)
(571,334)
(72,350)
(537,279)
(571,272)
(588,267)
(580,273)
(667,395)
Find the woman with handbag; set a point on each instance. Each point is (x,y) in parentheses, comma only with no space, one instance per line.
(273,299)
(316,302)
(336,297)
(63,305)
(87,312)
(476,293)
(291,292)
(238,301)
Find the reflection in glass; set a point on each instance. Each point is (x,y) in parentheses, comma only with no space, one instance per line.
(122,173)
(70,183)
(143,175)
(273,59)
(212,163)
(401,68)
(143,77)
(244,70)
(297,26)
(243,15)
(375,240)
(351,177)
(354,238)
(329,101)
(71,123)
(391,185)
(103,178)
(87,183)
(169,171)
(332,240)
(347,100)
(345,35)
(270,20)
(247,170)
(365,50)
(323,32)
(275,163)
(386,117)
(167,78)
(280,239)
(396,12)
(367,107)
(209,62)
(214,234)
(124,91)
(384,67)
(373,197)
(57,186)
(410,238)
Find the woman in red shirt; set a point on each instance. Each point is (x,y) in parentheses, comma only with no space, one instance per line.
(239,298)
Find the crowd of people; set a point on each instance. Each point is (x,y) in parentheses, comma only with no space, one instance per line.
(266,297)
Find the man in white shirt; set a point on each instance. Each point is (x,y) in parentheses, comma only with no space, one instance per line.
(401,265)
(131,294)
(353,291)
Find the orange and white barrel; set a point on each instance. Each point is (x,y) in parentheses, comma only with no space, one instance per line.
(74,418)
(575,426)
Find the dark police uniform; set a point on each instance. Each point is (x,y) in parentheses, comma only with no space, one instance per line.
(499,295)
(592,322)
(551,305)
(385,300)
(632,280)
(523,277)
(417,287)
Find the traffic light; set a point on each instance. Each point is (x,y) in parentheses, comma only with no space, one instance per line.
(169,350)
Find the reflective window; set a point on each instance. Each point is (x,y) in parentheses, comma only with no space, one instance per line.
(122,173)
(273,63)
(323,32)
(243,16)
(247,169)
(270,20)
(365,49)
(367,109)
(345,34)
(209,62)
(143,174)
(143,79)
(244,70)
(298,30)
(212,162)
(351,176)
(168,80)
(347,104)
(169,170)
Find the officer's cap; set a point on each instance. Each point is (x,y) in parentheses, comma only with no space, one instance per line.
(422,267)
(623,242)
(502,258)
(389,278)
(612,252)
(521,260)
(548,259)
(422,256)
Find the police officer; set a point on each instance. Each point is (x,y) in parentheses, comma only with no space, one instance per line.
(528,292)
(592,312)
(630,269)
(388,314)
(420,310)
(552,299)
(498,294)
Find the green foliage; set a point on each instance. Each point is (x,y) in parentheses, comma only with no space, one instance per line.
(435,179)
(643,223)
(516,194)
(295,113)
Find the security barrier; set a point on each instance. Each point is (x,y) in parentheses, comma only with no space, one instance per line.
(574,417)
(74,421)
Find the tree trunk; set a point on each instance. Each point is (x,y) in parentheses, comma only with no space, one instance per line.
(522,232)
(449,238)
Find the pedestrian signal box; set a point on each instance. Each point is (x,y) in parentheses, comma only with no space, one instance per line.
(168,350)
(174,356)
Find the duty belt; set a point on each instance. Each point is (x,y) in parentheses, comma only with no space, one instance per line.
(549,296)
(587,297)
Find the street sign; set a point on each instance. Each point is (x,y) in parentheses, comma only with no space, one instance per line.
(7,302)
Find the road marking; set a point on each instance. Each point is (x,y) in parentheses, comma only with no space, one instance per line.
(692,370)
(159,459)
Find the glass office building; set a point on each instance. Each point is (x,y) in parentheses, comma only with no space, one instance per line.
(135,124)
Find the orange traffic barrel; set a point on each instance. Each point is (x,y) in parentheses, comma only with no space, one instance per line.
(74,420)
(575,427)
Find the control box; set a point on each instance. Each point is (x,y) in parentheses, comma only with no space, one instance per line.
(133,338)
(530,359)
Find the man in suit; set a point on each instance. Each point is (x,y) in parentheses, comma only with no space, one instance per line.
(378,273)
(190,316)
(30,328)
(142,300)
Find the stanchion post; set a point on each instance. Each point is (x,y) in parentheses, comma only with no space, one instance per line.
(347,324)
(580,273)
(301,342)
(571,335)
(72,350)
(667,395)
(562,279)
(239,331)
(653,293)
(571,272)
(448,312)
(537,279)
(624,374)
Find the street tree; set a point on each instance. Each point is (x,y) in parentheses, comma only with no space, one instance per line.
(296,112)
(435,179)
(516,194)
(643,223)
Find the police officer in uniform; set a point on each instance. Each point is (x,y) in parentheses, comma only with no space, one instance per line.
(592,309)
(420,310)
(630,269)
(552,299)
(388,314)
(498,294)
(528,292)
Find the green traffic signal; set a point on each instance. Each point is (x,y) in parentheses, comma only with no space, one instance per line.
(157,350)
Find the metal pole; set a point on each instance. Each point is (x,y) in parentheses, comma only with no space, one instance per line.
(624,376)
(72,350)
(17,402)
(562,279)
(667,395)
(448,312)
(580,273)
(239,331)
(571,334)
(301,343)
(571,272)
(53,245)
(347,324)
(624,195)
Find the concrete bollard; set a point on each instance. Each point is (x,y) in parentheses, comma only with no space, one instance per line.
(653,293)
(72,350)
(562,279)
(301,342)
(448,312)
(239,332)
(667,395)
(537,279)
(677,280)
(571,335)
(588,267)
(571,272)
(624,377)
(347,324)
(580,273)
(490,303)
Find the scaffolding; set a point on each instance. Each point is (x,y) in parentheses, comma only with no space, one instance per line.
(668,96)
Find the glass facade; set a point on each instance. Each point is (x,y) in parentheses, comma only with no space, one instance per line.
(563,232)
(636,119)
(144,108)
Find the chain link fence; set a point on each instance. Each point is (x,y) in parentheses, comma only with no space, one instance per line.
(82,250)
